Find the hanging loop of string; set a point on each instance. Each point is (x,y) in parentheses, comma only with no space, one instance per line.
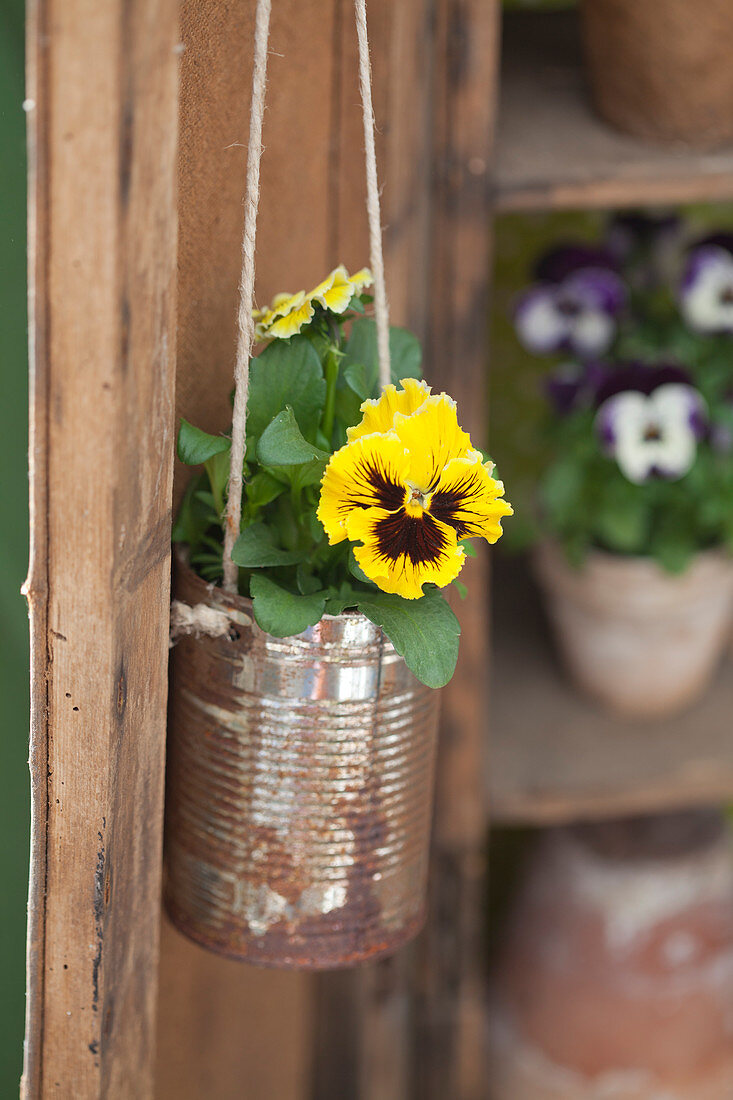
(245,321)
(376,258)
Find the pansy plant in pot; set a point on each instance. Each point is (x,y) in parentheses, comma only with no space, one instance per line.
(303,731)
(636,503)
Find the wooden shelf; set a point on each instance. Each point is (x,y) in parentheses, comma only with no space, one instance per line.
(556,757)
(553,153)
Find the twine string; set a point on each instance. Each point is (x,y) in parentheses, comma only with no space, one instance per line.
(245,321)
(376,257)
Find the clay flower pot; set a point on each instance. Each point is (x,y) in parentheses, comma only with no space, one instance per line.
(616,981)
(299,789)
(662,70)
(643,642)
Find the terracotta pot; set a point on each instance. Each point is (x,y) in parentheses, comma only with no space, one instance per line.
(661,69)
(643,642)
(616,982)
(300,780)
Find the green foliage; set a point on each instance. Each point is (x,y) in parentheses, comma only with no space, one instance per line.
(281,612)
(195,446)
(304,393)
(425,632)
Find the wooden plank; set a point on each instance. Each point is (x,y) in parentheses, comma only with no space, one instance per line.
(451,1008)
(553,153)
(204,1000)
(365,1019)
(103,134)
(419,1027)
(557,757)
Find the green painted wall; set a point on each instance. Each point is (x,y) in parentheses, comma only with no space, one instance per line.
(14,800)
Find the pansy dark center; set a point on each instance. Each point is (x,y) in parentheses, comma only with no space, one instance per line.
(726,295)
(568,307)
(418,539)
(652,432)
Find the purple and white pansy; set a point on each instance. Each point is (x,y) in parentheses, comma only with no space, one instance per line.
(706,291)
(574,306)
(652,424)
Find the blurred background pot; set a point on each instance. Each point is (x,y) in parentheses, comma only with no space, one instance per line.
(661,69)
(616,982)
(299,789)
(642,641)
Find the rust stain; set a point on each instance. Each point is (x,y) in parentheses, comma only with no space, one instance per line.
(300,780)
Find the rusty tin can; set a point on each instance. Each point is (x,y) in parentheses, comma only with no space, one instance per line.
(299,789)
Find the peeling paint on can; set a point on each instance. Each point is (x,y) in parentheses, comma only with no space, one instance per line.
(300,789)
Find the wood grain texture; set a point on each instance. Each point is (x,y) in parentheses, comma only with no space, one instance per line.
(204,1000)
(102,270)
(558,757)
(552,152)
(451,1008)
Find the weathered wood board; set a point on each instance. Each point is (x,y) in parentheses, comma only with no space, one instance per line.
(103,112)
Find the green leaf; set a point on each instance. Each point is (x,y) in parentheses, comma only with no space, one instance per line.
(282,443)
(361,348)
(460,589)
(355,376)
(282,613)
(255,549)
(287,372)
(217,469)
(195,446)
(425,632)
(346,597)
(262,488)
(307,583)
(674,556)
(622,519)
(468,548)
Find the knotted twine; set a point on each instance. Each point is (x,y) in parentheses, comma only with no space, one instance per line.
(245,321)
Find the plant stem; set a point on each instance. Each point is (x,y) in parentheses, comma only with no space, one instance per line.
(329,408)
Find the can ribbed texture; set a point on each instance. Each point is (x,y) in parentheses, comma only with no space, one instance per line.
(300,785)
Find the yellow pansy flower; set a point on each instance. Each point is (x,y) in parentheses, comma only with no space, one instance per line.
(408,494)
(285,317)
(287,313)
(379,413)
(338,288)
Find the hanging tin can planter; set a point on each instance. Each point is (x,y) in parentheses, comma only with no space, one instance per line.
(300,779)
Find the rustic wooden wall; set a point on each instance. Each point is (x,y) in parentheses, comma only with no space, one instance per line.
(104,250)
(102,80)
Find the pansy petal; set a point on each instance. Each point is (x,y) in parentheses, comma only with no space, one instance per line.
(366,473)
(335,292)
(285,303)
(468,498)
(379,414)
(591,332)
(675,452)
(706,294)
(433,437)
(675,402)
(541,327)
(597,286)
(401,553)
(292,322)
(361,279)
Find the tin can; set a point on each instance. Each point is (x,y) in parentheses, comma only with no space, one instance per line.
(299,789)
